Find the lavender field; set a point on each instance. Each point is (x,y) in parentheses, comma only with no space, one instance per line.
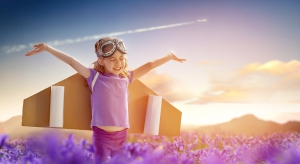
(188,148)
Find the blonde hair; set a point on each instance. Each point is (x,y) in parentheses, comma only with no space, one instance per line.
(100,68)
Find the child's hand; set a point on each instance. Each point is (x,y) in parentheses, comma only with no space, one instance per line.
(176,58)
(37,48)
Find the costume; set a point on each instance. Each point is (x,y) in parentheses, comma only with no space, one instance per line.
(109,102)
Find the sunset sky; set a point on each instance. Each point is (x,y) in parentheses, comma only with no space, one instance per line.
(244,59)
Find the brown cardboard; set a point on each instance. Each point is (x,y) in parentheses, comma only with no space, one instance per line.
(77,108)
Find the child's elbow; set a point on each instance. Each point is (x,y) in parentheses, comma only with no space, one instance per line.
(72,61)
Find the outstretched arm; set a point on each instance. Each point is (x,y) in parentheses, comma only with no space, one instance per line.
(142,70)
(81,69)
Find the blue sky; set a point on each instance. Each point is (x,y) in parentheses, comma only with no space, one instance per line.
(243,59)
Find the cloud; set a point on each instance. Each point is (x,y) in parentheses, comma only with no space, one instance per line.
(10,49)
(273,68)
(17,48)
(254,83)
(166,86)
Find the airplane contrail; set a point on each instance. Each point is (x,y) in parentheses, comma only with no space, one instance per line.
(17,48)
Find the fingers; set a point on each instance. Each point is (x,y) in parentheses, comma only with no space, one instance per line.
(34,51)
(29,53)
(181,60)
(176,58)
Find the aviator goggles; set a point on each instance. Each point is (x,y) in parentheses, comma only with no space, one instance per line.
(107,48)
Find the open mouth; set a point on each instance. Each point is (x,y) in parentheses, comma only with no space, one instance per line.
(118,69)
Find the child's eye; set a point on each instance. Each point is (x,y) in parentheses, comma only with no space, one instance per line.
(121,58)
(112,59)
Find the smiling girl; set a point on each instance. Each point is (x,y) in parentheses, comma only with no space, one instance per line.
(108,81)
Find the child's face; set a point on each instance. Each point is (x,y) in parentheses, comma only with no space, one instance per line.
(115,63)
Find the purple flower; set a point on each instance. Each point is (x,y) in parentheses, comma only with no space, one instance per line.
(188,148)
(86,146)
(3,138)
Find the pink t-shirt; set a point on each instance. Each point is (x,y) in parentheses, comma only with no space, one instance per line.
(109,99)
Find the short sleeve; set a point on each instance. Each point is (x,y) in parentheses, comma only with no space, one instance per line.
(89,80)
(130,77)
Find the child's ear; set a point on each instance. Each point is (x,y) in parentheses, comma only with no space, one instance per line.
(100,60)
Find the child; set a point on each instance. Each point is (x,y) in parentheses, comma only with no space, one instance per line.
(108,81)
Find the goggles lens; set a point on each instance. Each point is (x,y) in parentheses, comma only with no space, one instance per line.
(107,48)
(122,46)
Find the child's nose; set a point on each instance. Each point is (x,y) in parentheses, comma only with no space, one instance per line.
(118,62)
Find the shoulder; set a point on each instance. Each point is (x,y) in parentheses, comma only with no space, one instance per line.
(92,74)
(130,76)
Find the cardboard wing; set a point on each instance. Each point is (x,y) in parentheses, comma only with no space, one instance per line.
(77,108)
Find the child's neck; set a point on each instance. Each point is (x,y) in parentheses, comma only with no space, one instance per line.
(110,74)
